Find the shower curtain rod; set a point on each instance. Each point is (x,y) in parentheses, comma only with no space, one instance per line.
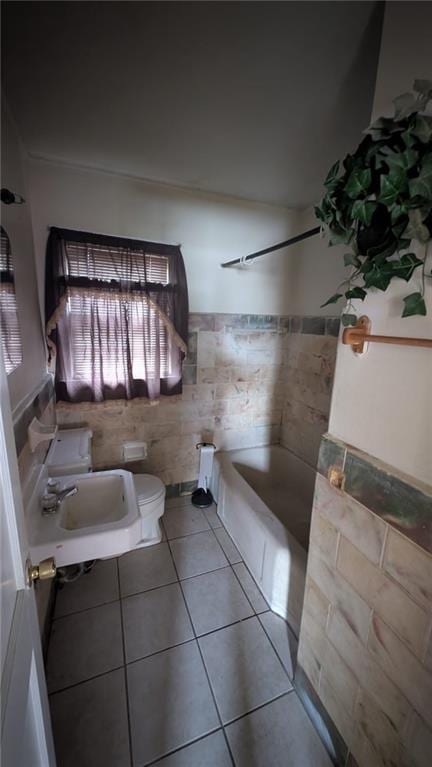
(291,241)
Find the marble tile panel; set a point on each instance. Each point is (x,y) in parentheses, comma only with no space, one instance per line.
(406,505)
(316,603)
(336,708)
(409,566)
(393,604)
(397,661)
(347,643)
(341,595)
(324,536)
(354,521)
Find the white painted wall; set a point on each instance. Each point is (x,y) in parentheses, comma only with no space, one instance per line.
(17,222)
(382,400)
(210,228)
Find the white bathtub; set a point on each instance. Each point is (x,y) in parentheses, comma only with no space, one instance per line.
(264,497)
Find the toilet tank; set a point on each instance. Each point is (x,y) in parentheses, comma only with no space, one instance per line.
(70,453)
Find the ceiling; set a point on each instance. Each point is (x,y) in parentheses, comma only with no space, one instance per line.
(248,99)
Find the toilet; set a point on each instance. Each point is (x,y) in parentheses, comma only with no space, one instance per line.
(70,453)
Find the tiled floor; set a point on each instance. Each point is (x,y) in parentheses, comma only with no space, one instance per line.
(169,656)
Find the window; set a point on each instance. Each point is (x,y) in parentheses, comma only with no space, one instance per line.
(9,325)
(120,316)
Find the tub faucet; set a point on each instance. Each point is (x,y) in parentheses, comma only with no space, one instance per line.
(52,501)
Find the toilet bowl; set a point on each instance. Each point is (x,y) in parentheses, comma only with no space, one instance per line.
(150,492)
(70,453)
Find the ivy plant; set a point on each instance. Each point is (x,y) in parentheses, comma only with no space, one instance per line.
(379,199)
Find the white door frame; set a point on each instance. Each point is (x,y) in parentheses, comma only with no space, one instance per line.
(25,718)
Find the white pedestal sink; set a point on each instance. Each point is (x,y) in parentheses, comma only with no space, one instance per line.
(100,520)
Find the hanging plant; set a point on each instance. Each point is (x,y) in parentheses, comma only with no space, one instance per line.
(380,199)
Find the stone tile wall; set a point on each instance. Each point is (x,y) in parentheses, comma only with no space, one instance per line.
(309,363)
(366,632)
(234,391)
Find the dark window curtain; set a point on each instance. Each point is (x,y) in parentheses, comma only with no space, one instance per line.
(117,316)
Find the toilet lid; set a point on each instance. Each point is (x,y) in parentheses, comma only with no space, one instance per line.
(148,488)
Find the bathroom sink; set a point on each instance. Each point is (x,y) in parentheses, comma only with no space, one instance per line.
(100,499)
(101,520)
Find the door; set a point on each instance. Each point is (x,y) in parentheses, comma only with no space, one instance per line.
(26,737)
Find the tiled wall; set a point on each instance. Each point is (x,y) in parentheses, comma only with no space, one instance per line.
(366,632)
(309,361)
(233,394)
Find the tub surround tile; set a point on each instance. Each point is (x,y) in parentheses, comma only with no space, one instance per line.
(99,710)
(250,588)
(331,453)
(84,645)
(368,661)
(388,600)
(405,506)
(197,554)
(211,751)
(314,325)
(170,703)
(401,501)
(352,519)
(145,569)
(243,668)
(320,718)
(154,621)
(410,567)
(230,353)
(215,600)
(278,734)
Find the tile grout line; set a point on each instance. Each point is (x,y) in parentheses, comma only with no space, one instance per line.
(204,665)
(181,748)
(125,668)
(84,681)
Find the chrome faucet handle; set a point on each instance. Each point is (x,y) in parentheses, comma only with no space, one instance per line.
(71,490)
(53,486)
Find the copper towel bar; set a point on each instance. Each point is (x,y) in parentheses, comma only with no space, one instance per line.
(357,336)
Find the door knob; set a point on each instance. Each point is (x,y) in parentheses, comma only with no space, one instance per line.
(45,570)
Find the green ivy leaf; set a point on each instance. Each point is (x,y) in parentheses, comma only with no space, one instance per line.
(405,267)
(422,185)
(348,319)
(340,236)
(396,212)
(423,128)
(332,300)
(416,229)
(332,176)
(358,182)
(378,277)
(403,160)
(363,211)
(392,186)
(414,304)
(356,293)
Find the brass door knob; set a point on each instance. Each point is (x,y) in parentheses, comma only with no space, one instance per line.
(41,572)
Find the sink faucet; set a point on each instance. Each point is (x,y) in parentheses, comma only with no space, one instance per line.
(52,501)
